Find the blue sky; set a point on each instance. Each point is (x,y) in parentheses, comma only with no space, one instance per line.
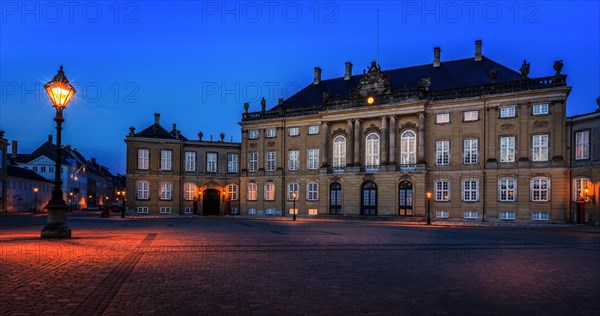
(197,62)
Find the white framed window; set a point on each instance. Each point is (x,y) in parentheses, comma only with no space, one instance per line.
(232,192)
(188,210)
(271,161)
(166,162)
(253,134)
(442,190)
(470,190)
(142,209)
(540,216)
(313,129)
(470,116)
(165,210)
(313,159)
(293,159)
(408,148)
(211,162)
(251,191)
(190,161)
(507,190)
(143,159)
(509,215)
(270,211)
(339,152)
(293,188)
(540,189)
(442,118)
(252,162)
(269,191)
(508,112)
(442,152)
(540,109)
(441,214)
(293,211)
(470,214)
(189,191)
(232,163)
(579,186)
(166,188)
(294,131)
(539,147)
(470,151)
(312,191)
(313,211)
(271,132)
(372,150)
(582,145)
(251,210)
(143,189)
(507,149)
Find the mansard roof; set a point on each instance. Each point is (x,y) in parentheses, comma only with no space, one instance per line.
(17,172)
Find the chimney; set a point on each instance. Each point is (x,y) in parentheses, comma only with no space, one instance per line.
(174,127)
(348,73)
(157,118)
(477,50)
(14,149)
(436,57)
(50,138)
(317,76)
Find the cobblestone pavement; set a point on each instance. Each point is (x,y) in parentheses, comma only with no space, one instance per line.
(236,266)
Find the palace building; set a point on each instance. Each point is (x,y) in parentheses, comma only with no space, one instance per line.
(471,138)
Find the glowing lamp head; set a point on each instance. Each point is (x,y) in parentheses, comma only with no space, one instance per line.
(586,190)
(60,90)
(294,195)
(35,190)
(70,193)
(428,195)
(370,100)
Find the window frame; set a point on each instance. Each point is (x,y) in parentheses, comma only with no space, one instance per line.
(578,187)
(165,192)
(442,115)
(293,131)
(189,194)
(269,191)
(508,153)
(339,151)
(508,190)
(408,148)
(253,161)
(232,192)
(312,191)
(293,162)
(271,161)
(438,191)
(253,134)
(372,150)
(540,190)
(232,164)
(540,106)
(251,191)
(141,196)
(293,187)
(271,133)
(471,113)
(141,160)
(511,114)
(212,166)
(468,190)
(540,152)
(311,129)
(190,164)
(582,149)
(166,161)
(313,159)
(442,157)
(472,151)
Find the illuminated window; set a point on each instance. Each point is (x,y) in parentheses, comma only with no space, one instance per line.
(507,149)
(442,152)
(271,132)
(582,145)
(470,151)
(211,162)
(143,188)
(442,190)
(507,215)
(189,191)
(372,150)
(253,162)
(579,186)
(540,109)
(539,147)
(470,190)
(232,163)
(251,191)
(507,190)
(470,215)
(293,211)
(190,161)
(339,152)
(312,189)
(166,160)
(470,116)
(165,210)
(313,211)
(232,192)
(143,159)
(313,130)
(269,191)
(313,159)
(540,189)
(166,188)
(540,216)
(508,112)
(408,148)
(293,188)
(253,134)
(293,159)
(294,131)
(270,162)
(442,118)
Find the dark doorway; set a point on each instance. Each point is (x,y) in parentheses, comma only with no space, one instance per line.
(369,199)
(210,202)
(405,199)
(335,198)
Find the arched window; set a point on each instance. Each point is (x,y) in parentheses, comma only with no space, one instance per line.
(335,198)
(143,187)
(405,198)
(579,186)
(293,187)
(339,152)
(269,191)
(232,192)
(165,190)
(189,191)
(408,148)
(369,199)
(251,191)
(372,150)
(507,189)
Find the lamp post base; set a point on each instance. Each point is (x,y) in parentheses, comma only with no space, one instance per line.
(56,225)
(56,232)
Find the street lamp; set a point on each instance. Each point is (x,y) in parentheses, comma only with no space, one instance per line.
(294,198)
(428,195)
(60,92)
(35,191)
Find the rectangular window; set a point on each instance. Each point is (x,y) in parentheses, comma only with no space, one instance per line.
(470,215)
(293,188)
(166,162)
(442,118)
(253,134)
(313,130)
(442,152)
(269,191)
(507,149)
(507,190)
(539,148)
(165,210)
(579,186)
(470,190)
(271,132)
(441,214)
(313,211)
(540,216)
(442,190)
(143,188)
(142,210)
(232,163)
(252,210)
(232,192)
(293,211)
(166,188)
(470,116)
(312,191)
(188,210)
(582,143)
(35,168)
(253,162)
(271,161)
(540,109)
(540,189)
(293,159)
(507,215)
(43,169)
(313,159)
(234,210)
(251,191)
(270,211)
(190,161)
(470,151)
(294,131)
(508,112)
(211,162)
(143,159)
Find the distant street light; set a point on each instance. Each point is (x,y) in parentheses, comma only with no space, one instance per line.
(60,92)
(294,198)
(428,195)
(35,191)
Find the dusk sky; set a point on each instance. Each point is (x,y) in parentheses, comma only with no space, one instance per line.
(197,62)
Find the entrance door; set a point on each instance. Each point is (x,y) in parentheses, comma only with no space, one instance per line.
(335,198)
(369,199)
(405,199)
(210,202)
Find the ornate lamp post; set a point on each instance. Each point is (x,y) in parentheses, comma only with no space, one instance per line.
(35,191)
(428,195)
(60,92)
(294,198)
